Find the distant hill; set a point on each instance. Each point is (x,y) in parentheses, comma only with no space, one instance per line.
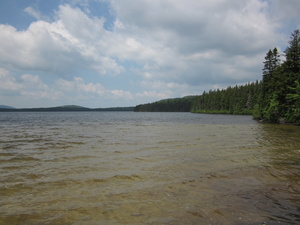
(67,108)
(70,107)
(64,108)
(6,107)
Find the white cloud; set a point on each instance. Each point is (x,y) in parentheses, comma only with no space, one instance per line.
(153,95)
(29,87)
(121,94)
(79,25)
(60,47)
(7,81)
(160,49)
(196,40)
(32,90)
(161,36)
(78,89)
(237,26)
(33,12)
(34,81)
(77,85)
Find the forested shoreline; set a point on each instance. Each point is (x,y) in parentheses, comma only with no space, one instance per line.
(276,98)
(233,100)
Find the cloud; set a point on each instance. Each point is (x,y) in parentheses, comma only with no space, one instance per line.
(61,47)
(78,88)
(153,95)
(236,26)
(160,36)
(81,90)
(27,86)
(33,81)
(77,85)
(190,40)
(153,49)
(285,11)
(34,13)
(8,82)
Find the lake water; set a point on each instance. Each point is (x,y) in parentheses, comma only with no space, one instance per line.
(147,168)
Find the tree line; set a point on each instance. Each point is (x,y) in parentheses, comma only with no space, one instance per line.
(275,98)
(233,100)
(167,105)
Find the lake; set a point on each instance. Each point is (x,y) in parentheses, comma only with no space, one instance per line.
(147,168)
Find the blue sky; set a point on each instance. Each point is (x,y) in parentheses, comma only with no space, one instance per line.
(106,53)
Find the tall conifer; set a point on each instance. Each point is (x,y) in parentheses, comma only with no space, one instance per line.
(292,53)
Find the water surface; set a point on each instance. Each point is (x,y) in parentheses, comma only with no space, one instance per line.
(147,168)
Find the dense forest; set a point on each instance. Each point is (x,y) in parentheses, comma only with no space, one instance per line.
(280,94)
(233,100)
(276,98)
(167,105)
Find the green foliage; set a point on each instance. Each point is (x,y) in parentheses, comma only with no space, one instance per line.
(292,53)
(271,66)
(233,100)
(167,105)
(293,114)
(280,85)
(256,112)
(272,111)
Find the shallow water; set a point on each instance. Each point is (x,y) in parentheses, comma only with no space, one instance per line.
(147,168)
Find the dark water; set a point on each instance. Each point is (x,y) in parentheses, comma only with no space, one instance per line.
(147,168)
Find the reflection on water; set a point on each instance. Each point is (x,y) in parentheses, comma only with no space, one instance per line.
(147,168)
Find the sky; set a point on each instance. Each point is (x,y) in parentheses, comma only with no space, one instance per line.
(109,53)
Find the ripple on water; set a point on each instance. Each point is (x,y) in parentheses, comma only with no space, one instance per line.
(129,168)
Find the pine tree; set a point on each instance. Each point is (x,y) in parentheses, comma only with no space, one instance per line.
(280,84)
(292,53)
(269,85)
(276,59)
(290,80)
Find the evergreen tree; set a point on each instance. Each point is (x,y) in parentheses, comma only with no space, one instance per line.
(292,53)
(233,100)
(269,85)
(290,83)
(294,112)
(280,83)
